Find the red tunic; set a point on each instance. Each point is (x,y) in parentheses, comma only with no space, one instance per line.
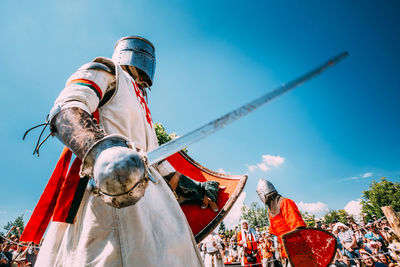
(251,244)
(288,219)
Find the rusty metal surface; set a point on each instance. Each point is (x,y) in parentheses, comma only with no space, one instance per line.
(177,144)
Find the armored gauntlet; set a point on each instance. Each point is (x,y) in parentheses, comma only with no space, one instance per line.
(117,169)
(113,163)
(191,191)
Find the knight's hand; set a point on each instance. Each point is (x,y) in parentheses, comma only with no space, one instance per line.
(210,189)
(206,193)
(118,171)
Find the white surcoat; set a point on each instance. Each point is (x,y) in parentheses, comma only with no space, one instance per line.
(213,257)
(153,232)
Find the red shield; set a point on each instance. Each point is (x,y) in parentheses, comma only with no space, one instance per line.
(203,221)
(310,247)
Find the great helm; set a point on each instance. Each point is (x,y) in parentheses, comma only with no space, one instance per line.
(265,189)
(137,52)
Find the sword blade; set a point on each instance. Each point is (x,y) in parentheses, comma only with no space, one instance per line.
(179,143)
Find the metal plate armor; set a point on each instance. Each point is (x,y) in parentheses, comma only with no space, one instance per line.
(137,52)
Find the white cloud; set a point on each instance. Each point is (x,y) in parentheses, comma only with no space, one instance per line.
(315,207)
(263,167)
(364,175)
(267,162)
(367,174)
(274,161)
(350,178)
(354,208)
(232,219)
(220,170)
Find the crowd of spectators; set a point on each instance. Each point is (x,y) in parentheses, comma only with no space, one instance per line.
(14,253)
(365,244)
(358,244)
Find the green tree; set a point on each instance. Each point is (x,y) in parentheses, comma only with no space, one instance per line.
(308,218)
(379,194)
(162,135)
(339,215)
(228,232)
(222,227)
(331,216)
(256,215)
(18,222)
(343,216)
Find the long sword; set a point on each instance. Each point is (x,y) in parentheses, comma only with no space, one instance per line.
(179,143)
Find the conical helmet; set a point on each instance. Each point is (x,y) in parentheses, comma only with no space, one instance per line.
(265,189)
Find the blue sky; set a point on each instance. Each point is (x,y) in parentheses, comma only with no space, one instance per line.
(214,56)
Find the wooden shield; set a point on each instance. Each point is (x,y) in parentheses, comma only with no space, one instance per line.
(310,247)
(204,221)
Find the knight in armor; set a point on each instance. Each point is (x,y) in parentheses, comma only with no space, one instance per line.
(284,216)
(128,216)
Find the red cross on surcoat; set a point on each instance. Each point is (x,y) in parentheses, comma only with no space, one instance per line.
(143,104)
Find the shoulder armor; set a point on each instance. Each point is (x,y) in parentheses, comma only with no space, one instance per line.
(98,66)
(106,61)
(106,64)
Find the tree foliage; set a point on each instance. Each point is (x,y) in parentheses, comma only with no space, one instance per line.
(162,135)
(338,215)
(222,227)
(308,218)
(379,194)
(18,222)
(256,215)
